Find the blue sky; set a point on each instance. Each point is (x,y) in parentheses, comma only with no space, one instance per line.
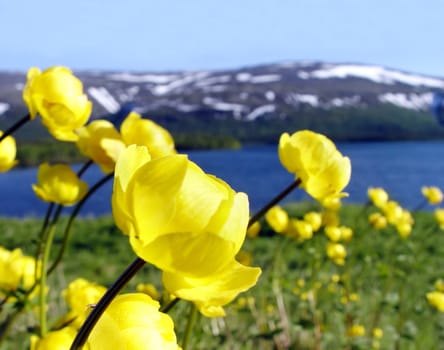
(165,35)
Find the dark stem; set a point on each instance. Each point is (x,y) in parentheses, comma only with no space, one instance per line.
(110,294)
(274,201)
(17,125)
(170,305)
(84,167)
(73,216)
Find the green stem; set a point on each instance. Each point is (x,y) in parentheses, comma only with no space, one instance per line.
(42,238)
(103,303)
(16,126)
(75,212)
(6,326)
(192,317)
(43,273)
(274,201)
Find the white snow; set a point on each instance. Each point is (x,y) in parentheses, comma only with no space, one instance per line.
(102,96)
(258,111)
(296,99)
(214,88)
(129,94)
(19,86)
(375,73)
(244,77)
(178,83)
(344,101)
(270,95)
(143,78)
(410,101)
(221,79)
(3,107)
(236,108)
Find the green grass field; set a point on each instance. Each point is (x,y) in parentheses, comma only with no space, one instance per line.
(302,300)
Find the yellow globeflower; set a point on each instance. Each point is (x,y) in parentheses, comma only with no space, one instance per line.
(378,196)
(149,289)
(254,230)
(100,141)
(356,330)
(436,299)
(314,159)
(80,295)
(133,321)
(439,217)
(314,219)
(299,229)
(145,132)
(57,96)
(337,253)
(333,233)
(56,340)
(433,194)
(277,218)
(16,270)
(378,221)
(8,151)
(176,217)
(59,184)
(393,212)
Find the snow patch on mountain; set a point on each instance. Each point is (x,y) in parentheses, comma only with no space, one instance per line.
(377,74)
(3,107)
(245,77)
(102,96)
(258,111)
(143,78)
(235,108)
(410,101)
(188,78)
(296,99)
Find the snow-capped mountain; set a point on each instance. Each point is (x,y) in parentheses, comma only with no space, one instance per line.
(268,91)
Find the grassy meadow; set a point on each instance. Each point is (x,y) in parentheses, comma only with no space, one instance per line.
(302,300)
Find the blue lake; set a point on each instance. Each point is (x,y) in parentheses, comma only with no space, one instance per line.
(400,167)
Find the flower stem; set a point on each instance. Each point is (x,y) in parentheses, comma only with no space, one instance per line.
(42,238)
(274,201)
(192,317)
(17,125)
(73,216)
(103,303)
(170,305)
(43,274)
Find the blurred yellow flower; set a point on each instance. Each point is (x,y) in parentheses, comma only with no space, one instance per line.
(80,295)
(100,141)
(439,217)
(277,218)
(56,340)
(254,229)
(59,184)
(378,333)
(330,218)
(133,321)
(149,289)
(436,299)
(356,330)
(346,233)
(337,253)
(57,96)
(333,233)
(439,285)
(299,229)
(314,219)
(145,132)
(314,159)
(433,194)
(8,151)
(393,212)
(176,217)
(378,221)
(332,203)
(378,196)
(16,270)
(244,258)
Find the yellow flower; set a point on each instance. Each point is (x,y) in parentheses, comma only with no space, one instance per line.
(356,330)
(253,230)
(59,184)
(330,218)
(56,340)
(133,321)
(149,289)
(432,194)
(100,141)
(332,203)
(436,299)
(378,196)
(439,285)
(378,333)
(393,212)
(16,270)
(57,96)
(80,296)
(346,233)
(299,229)
(145,132)
(439,217)
(277,218)
(8,151)
(378,221)
(333,233)
(314,159)
(337,253)
(314,219)
(176,217)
